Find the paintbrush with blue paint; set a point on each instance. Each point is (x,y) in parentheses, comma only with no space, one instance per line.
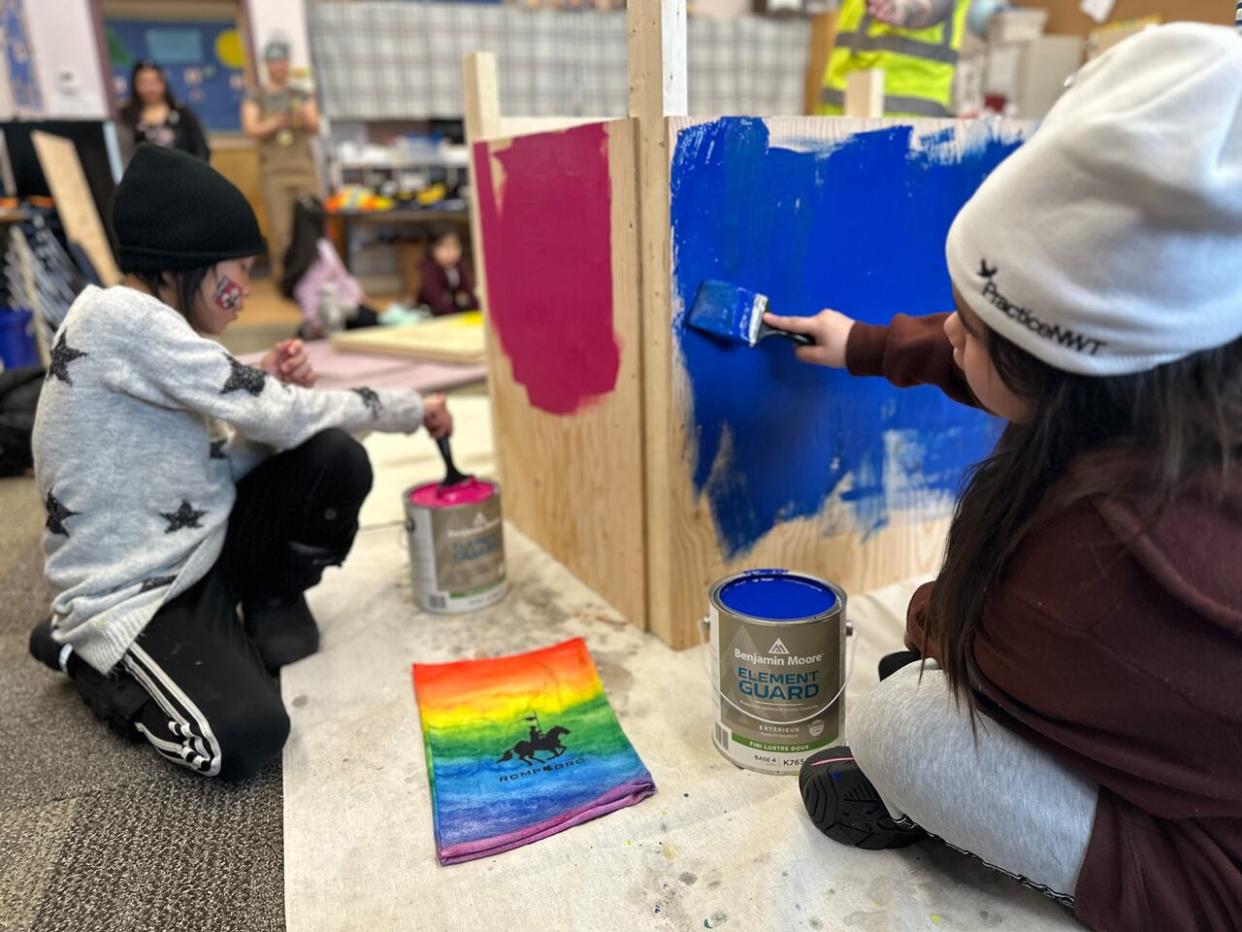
(736,314)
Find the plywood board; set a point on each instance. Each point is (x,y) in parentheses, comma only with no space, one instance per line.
(864,93)
(657,66)
(557,229)
(59,160)
(527,126)
(770,462)
(458,338)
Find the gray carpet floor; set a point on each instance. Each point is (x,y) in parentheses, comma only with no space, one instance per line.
(98,834)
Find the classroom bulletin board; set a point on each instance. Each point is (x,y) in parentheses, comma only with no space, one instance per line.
(204,62)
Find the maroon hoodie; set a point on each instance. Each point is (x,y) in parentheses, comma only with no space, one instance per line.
(1117,647)
(447,290)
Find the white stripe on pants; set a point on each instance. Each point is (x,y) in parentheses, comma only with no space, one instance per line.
(198,748)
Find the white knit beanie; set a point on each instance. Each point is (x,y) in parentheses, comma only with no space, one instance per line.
(1111,241)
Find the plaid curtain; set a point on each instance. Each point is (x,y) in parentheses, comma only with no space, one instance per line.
(402,61)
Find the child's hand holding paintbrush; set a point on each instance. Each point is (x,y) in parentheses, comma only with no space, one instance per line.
(739,315)
(829,329)
(437,420)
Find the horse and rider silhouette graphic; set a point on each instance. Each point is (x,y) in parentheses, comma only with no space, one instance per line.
(538,740)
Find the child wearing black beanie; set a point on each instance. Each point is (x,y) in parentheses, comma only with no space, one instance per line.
(182,486)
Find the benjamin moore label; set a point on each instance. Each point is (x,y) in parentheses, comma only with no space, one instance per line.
(777,677)
(469,546)
(457,555)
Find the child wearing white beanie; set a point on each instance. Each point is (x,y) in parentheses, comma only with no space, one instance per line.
(1090,601)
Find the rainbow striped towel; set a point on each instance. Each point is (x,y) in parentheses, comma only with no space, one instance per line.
(520,748)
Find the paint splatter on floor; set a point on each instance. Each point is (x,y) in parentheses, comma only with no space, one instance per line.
(858,225)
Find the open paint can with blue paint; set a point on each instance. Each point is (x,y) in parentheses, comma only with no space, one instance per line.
(777,667)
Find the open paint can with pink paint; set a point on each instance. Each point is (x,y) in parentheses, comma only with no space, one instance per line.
(457,546)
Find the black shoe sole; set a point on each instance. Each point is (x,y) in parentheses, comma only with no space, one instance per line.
(282,651)
(846,807)
(43,646)
(284,633)
(891,663)
(116,700)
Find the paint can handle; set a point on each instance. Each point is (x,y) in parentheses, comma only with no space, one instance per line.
(705,626)
(404,530)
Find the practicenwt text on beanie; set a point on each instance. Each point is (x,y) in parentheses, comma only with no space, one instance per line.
(1111,242)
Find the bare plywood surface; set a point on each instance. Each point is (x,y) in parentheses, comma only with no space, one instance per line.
(574,483)
(458,338)
(864,94)
(58,158)
(529,126)
(657,64)
(481,97)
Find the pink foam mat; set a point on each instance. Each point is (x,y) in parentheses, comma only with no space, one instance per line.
(347,370)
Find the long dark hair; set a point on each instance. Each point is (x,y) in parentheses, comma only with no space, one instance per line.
(308,229)
(131,112)
(1144,437)
(184,284)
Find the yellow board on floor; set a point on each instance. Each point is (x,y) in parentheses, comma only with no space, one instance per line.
(457,338)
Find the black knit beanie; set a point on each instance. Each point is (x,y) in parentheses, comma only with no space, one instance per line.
(174,212)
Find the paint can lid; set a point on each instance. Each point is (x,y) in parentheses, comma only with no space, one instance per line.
(777,595)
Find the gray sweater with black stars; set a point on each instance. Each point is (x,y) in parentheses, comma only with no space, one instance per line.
(143,430)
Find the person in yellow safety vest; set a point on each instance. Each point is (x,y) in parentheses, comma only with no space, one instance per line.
(915,43)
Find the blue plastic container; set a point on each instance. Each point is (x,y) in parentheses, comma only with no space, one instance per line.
(17,338)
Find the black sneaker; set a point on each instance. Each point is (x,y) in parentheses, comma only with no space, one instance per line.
(43,647)
(283,629)
(891,663)
(117,699)
(846,807)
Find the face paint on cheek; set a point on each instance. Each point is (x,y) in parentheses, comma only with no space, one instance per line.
(228,294)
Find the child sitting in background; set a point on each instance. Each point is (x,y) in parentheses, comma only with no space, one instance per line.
(448,286)
(180,484)
(316,278)
(1068,708)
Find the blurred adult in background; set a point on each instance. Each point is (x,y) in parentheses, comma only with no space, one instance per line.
(283,120)
(153,115)
(914,42)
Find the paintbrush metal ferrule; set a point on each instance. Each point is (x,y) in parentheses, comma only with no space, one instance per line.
(758,307)
(728,311)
